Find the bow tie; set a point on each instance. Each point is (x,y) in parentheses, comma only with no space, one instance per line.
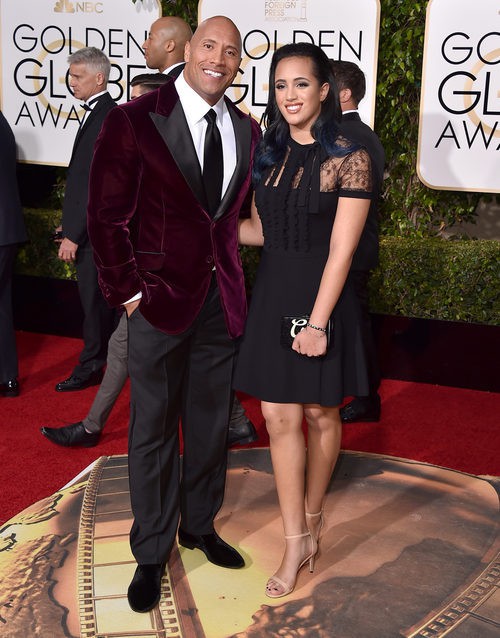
(88,106)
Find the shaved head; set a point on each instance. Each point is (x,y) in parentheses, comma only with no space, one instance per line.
(221,21)
(174,28)
(165,43)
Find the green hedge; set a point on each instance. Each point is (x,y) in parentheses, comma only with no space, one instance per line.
(428,278)
(39,256)
(438,279)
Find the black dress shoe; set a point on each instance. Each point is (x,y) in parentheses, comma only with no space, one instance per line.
(77,383)
(72,435)
(10,389)
(144,591)
(364,409)
(241,432)
(215,549)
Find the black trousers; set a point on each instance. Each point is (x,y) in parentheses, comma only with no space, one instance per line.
(187,376)
(8,351)
(360,282)
(99,320)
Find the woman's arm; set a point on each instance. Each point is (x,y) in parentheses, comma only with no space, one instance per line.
(250,230)
(347,228)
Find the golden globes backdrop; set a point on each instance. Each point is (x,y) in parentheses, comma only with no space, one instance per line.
(459,135)
(35,44)
(344,29)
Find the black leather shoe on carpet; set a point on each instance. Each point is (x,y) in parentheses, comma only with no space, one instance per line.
(215,549)
(361,409)
(144,591)
(242,432)
(77,383)
(10,388)
(73,435)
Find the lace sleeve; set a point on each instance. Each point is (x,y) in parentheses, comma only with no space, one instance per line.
(355,175)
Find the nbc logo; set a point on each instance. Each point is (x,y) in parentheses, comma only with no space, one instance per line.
(64,6)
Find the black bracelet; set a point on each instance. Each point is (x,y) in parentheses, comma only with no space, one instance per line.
(310,325)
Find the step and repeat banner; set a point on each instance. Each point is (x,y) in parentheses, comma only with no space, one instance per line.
(35,44)
(459,134)
(35,95)
(344,29)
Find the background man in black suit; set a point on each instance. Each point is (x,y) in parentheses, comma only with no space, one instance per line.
(352,86)
(87,432)
(89,72)
(12,233)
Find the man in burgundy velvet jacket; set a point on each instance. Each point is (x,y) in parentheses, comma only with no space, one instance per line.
(174,265)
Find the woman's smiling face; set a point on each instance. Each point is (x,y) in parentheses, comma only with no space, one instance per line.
(298,92)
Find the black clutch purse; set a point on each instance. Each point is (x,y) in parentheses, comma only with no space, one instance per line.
(291,326)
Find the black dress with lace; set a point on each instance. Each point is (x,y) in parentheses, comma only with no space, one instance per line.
(297,202)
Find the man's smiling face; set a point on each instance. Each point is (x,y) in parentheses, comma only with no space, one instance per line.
(212,58)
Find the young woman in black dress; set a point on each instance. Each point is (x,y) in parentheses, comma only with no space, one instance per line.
(312,194)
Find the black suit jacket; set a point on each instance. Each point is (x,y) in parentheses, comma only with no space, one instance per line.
(366,255)
(176,71)
(12,229)
(74,217)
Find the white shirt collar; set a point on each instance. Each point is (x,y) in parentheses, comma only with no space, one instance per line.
(172,66)
(93,98)
(350,111)
(194,106)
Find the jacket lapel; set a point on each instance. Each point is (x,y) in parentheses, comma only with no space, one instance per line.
(176,135)
(92,115)
(174,131)
(243,136)
(78,136)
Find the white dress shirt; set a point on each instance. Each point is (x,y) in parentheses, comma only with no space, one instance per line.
(195,108)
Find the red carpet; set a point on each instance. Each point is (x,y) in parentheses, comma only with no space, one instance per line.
(451,427)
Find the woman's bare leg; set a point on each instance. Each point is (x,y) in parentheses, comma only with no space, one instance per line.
(288,454)
(323,446)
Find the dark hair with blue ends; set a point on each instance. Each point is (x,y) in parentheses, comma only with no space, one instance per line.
(325,130)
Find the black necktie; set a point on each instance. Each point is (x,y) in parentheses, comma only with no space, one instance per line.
(213,166)
(85,107)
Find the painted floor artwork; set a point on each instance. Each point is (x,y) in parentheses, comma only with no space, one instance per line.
(408,549)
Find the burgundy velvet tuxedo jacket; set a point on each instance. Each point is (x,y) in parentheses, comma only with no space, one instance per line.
(147,217)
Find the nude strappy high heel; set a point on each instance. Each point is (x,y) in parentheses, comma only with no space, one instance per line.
(287,588)
(320,525)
